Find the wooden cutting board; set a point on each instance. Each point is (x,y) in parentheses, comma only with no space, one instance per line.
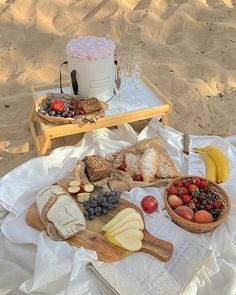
(93,238)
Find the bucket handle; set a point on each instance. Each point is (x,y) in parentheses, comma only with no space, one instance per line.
(73,79)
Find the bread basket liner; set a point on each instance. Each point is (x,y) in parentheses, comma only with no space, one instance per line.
(80,121)
(122,181)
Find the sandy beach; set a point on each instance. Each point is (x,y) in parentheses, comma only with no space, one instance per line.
(190,56)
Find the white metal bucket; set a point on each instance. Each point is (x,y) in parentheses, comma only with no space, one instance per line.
(95,78)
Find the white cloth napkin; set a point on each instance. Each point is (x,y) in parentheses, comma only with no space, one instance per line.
(58,268)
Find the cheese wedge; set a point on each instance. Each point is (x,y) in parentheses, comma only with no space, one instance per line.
(129,240)
(133,216)
(132,224)
(117,218)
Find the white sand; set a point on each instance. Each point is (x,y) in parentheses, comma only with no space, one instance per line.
(190,47)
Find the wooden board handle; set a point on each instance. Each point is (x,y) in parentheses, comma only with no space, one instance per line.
(158,248)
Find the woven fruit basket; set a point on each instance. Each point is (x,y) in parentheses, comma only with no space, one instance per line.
(96,109)
(209,197)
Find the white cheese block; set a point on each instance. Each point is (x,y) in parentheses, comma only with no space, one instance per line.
(66,216)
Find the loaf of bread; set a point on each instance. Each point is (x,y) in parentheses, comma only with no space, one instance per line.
(90,105)
(96,168)
(59,213)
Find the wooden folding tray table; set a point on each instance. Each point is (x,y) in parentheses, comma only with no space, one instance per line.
(153,103)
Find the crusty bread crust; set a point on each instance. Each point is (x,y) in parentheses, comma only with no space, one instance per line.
(96,168)
(90,105)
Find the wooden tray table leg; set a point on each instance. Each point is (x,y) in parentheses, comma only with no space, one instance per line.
(165,119)
(46,144)
(31,117)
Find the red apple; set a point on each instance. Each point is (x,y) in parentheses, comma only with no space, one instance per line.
(149,204)
(174,201)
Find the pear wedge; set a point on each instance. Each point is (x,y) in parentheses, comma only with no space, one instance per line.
(128,240)
(117,218)
(133,216)
(132,224)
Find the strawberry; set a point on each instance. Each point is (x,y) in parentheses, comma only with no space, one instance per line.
(179,184)
(138,177)
(186,198)
(81,112)
(57,106)
(172,190)
(203,183)
(192,188)
(122,167)
(196,181)
(182,191)
(187,183)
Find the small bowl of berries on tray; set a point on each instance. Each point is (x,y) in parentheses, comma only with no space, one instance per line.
(196,203)
(60,108)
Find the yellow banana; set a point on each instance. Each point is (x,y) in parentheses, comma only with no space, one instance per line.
(220,160)
(211,171)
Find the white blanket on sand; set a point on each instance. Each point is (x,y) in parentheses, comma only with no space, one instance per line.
(31,263)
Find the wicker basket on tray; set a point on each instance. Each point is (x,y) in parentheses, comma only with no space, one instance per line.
(199,227)
(66,98)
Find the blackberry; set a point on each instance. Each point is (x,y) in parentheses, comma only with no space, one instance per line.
(110,206)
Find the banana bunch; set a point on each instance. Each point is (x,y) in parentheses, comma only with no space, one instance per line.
(217,167)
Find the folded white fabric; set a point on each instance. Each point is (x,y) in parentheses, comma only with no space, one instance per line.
(61,269)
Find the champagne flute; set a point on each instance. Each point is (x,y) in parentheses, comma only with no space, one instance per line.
(121,71)
(136,68)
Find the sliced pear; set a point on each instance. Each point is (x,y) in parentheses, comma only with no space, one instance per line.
(89,187)
(113,241)
(83,197)
(132,224)
(117,218)
(133,216)
(75,183)
(73,189)
(129,240)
